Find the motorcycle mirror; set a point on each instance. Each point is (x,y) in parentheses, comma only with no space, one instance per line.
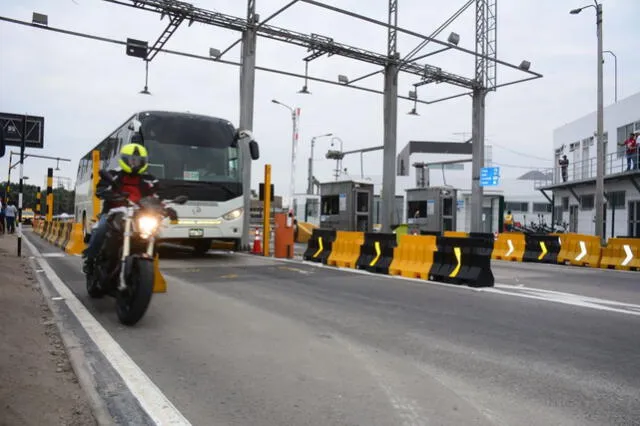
(180,199)
(254,150)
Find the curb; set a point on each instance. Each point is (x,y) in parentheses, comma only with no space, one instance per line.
(76,355)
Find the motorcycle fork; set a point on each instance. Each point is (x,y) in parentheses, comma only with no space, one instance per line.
(126,248)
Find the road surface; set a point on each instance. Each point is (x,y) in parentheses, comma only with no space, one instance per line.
(243,340)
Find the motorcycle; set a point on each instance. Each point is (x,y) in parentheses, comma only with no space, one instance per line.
(123,268)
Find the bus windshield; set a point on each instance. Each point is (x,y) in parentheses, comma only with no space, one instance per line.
(190,148)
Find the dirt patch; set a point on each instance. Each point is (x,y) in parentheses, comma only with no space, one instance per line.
(37,384)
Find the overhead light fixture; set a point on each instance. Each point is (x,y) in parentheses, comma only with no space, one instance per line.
(575,11)
(343,79)
(304,90)
(413,111)
(525,65)
(454,38)
(40,19)
(214,53)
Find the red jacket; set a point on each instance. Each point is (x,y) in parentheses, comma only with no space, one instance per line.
(631,145)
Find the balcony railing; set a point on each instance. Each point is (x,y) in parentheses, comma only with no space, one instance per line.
(586,169)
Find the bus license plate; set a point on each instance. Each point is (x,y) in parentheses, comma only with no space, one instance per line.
(196,232)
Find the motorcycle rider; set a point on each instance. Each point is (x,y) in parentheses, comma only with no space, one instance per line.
(130,179)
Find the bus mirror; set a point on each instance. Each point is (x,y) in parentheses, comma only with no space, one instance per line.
(254,150)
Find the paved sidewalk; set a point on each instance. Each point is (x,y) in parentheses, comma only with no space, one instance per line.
(37,384)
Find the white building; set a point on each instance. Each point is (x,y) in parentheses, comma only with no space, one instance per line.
(574,198)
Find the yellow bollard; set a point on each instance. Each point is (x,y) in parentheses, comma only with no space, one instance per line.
(159,283)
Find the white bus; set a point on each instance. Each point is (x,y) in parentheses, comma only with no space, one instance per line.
(193,155)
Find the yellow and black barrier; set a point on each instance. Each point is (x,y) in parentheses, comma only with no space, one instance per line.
(320,245)
(346,249)
(509,246)
(463,260)
(413,257)
(376,253)
(541,248)
(622,254)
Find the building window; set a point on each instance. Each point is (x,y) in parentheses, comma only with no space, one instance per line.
(565,203)
(634,219)
(542,208)
(586,202)
(616,199)
(516,207)
(574,146)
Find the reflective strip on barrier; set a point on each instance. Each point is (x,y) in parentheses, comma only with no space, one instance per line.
(458,254)
(320,248)
(375,259)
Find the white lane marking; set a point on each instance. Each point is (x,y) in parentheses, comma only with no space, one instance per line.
(627,250)
(150,397)
(55,254)
(510,244)
(583,251)
(567,299)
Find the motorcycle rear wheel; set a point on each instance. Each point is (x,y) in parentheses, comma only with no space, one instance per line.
(132,303)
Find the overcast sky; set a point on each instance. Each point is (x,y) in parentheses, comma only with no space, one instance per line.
(86,88)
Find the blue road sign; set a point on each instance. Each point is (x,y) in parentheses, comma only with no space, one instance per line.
(489,176)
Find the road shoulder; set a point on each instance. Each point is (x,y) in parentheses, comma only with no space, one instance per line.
(39,385)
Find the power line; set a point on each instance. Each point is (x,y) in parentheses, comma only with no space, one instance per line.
(520,152)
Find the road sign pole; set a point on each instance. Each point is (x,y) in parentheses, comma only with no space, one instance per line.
(20,188)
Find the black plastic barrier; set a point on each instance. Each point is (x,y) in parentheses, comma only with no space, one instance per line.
(463,261)
(376,253)
(436,233)
(319,245)
(541,248)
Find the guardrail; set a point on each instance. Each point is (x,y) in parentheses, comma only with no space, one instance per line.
(586,169)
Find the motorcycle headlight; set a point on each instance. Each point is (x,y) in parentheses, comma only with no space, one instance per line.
(233,214)
(147,225)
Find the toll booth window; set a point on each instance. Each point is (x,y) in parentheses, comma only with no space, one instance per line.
(362,202)
(416,209)
(330,205)
(447,207)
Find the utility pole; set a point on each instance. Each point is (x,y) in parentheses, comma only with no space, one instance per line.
(247,89)
(600,154)
(390,113)
(20,187)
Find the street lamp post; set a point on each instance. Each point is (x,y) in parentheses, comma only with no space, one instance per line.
(599,195)
(295,115)
(310,177)
(615,70)
(338,156)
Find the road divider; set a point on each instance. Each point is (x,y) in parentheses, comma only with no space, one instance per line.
(622,254)
(346,249)
(463,261)
(541,248)
(413,257)
(376,253)
(320,245)
(509,246)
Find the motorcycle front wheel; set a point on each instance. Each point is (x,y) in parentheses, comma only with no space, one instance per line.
(132,303)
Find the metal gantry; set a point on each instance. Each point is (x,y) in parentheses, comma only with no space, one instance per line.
(318,45)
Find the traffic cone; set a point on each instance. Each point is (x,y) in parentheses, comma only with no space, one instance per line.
(257,246)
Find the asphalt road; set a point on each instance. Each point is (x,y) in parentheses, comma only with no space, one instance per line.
(242,340)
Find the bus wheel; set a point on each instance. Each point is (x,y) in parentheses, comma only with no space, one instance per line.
(201,247)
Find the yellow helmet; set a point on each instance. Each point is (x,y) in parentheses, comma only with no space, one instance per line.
(133,158)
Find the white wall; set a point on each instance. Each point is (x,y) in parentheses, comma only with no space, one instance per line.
(616,115)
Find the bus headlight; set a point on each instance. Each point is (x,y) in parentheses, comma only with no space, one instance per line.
(147,225)
(233,214)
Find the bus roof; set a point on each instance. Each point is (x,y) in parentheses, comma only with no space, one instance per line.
(184,114)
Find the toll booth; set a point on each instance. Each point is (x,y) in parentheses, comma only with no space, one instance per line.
(346,205)
(432,209)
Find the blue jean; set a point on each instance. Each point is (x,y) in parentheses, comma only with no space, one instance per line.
(97,238)
(11,224)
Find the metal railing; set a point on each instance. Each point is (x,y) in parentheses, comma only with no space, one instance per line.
(586,169)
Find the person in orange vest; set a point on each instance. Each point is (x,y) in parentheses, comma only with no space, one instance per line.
(508,221)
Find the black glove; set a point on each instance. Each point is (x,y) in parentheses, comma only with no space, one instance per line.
(171,213)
